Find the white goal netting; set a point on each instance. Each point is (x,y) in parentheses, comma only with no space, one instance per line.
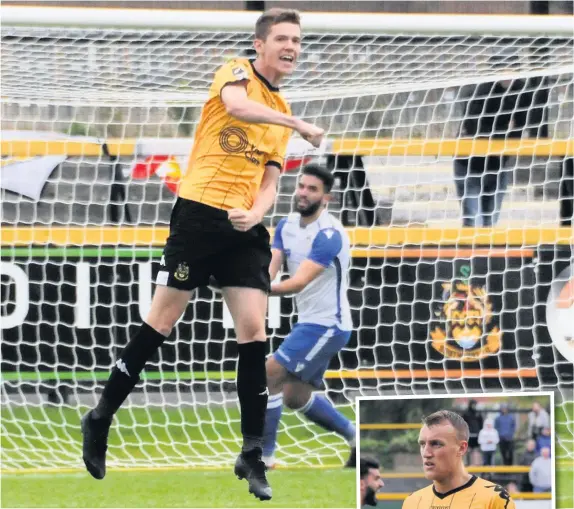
(435,308)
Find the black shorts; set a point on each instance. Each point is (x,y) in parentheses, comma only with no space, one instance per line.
(203,243)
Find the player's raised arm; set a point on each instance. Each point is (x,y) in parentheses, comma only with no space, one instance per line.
(238,105)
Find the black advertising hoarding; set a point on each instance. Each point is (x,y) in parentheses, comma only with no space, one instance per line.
(445,311)
(420,314)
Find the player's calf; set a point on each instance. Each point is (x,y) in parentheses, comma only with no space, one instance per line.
(252,392)
(123,378)
(247,307)
(319,410)
(126,373)
(167,306)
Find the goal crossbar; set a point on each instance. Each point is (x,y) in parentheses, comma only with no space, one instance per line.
(321,22)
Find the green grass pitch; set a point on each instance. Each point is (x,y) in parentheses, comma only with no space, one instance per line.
(56,430)
(291,488)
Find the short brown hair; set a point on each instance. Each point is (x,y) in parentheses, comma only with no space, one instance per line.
(458,423)
(272,17)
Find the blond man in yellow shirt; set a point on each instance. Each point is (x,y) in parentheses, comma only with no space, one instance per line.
(443,442)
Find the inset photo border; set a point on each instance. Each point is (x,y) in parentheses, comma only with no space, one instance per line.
(498,447)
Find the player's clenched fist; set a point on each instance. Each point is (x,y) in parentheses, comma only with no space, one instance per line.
(243,220)
(311,133)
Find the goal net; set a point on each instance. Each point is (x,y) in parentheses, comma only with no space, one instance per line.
(98,117)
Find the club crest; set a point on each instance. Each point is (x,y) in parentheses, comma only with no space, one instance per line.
(182,272)
(464,328)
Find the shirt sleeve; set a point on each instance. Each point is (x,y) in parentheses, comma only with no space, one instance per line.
(231,72)
(502,500)
(409,502)
(278,236)
(326,246)
(277,158)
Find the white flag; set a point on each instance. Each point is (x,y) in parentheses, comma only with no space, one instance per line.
(27,175)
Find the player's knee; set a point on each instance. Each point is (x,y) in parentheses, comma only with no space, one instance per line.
(167,306)
(251,330)
(161,323)
(295,397)
(164,320)
(275,375)
(294,401)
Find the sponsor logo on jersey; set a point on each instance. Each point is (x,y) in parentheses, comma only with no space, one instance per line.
(234,140)
(240,73)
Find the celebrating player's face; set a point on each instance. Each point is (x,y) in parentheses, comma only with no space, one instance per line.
(281,48)
(441,451)
(309,196)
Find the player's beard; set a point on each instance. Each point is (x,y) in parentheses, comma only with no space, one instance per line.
(370,496)
(309,210)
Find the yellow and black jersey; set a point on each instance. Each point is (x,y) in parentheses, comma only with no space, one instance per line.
(229,156)
(475,494)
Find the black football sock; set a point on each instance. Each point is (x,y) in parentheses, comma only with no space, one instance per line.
(252,392)
(125,374)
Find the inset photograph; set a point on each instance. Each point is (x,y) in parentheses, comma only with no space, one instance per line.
(491,451)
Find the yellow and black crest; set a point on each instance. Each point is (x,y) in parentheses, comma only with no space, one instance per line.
(182,272)
(465,328)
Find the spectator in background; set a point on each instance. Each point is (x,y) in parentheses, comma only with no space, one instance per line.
(528,456)
(541,472)
(505,424)
(544,440)
(488,439)
(475,424)
(538,419)
(512,488)
(496,110)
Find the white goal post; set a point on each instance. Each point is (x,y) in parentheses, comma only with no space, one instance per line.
(96,100)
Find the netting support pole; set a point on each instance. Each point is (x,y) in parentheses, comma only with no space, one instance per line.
(117,192)
(355,190)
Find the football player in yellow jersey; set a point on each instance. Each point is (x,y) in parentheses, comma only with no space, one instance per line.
(216,231)
(443,442)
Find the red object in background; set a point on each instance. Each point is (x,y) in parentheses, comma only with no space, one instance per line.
(148,166)
(296,163)
(166,167)
(168,170)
